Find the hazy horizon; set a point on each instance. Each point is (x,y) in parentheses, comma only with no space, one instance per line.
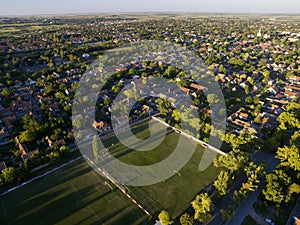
(45,7)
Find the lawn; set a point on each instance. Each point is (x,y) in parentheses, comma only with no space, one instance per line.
(72,195)
(76,194)
(174,194)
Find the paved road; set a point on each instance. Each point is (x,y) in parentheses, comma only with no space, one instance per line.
(244,208)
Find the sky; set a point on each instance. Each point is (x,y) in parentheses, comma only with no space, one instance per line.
(33,7)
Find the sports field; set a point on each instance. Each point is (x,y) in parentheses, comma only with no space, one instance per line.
(72,195)
(174,194)
(76,194)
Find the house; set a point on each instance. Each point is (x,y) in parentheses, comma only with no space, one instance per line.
(2,166)
(9,120)
(3,134)
(98,125)
(4,111)
(24,151)
(244,116)
(56,143)
(146,108)
(294,79)
(241,119)
(21,105)
(297,221)
(291,94)
(198,87)
(273,90)
(241,122)
(292,87)
(54,108)
(186,90)
(205,110)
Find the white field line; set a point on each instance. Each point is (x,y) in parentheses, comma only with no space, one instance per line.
(203,144)
(123,190)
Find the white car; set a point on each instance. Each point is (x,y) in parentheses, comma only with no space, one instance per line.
(269,221)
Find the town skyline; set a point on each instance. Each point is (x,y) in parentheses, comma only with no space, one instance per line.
(31,7)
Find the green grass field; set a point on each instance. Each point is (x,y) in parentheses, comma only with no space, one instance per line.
(176,193)
(76,194)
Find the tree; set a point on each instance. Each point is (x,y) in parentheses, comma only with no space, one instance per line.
(28,123)
(96,147)
(9,175)
(132,94)
(295,139)
(48,88)
(289,156)
(27,136)
(276,183)
(289,120)
(228,214)
(244,142)
(212,98)
(22,173)
(203,207)
(64,151)
(222,69)
(164,106)
(186,219)
(238,197)
(77,122)
(54,157)
(294,188)
(6,92)
(164,218)
(221,184)
(234,161)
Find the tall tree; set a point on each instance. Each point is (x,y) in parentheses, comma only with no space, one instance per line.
(234,161)
(96,147)
(221,183)
(202,205)
(276,184)
(228,214)
(165,218)
(289,156)
(9,175)
(186,219)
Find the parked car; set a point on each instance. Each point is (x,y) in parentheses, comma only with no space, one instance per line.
(269,221)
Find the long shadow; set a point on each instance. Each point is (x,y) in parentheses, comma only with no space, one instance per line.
(88,190)
(51,213)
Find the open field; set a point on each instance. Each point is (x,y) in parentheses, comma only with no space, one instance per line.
(174,194)
(76,194)
(72,195)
